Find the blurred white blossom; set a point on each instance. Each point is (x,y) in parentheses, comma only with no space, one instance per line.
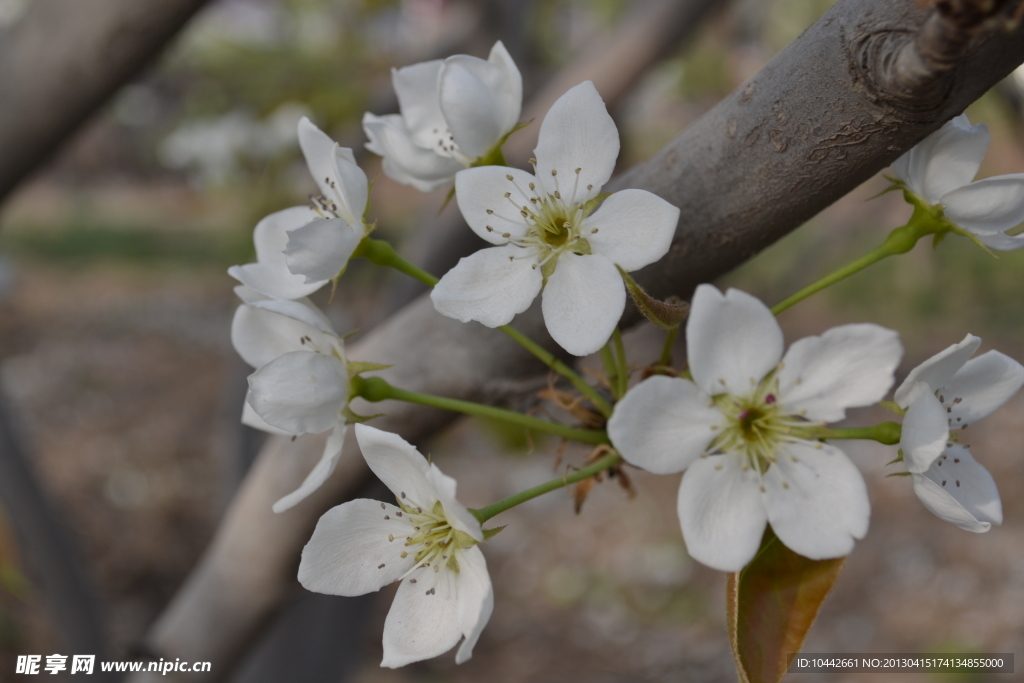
(301,383)
(453,112)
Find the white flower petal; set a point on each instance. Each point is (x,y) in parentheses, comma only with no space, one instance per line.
(270,275)
(632,228)
(491,286)
(959,490)
(476,599)
(248,295)
(300,392)
(455,512)
(480,193)
(398,464)
(264,330)
(816,499)
(848,366)
(424,620)
(901,167)
(318,475)
(508,95)
(334,169)
(721,512)
(988,207)
(416,88)
(937,370)
(405,161)
(372,125)
(348,547)
(1002,242)
(319,150)
(948,158)
(270,237)
(663,424)
(273,280)
(577,133)
(984,383)
(320,250)
(925,432)
(251,418)
(464,90)
(582,303)
(732,341)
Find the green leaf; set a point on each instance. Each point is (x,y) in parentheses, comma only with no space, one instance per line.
(893,407)
(668,315)
(491,533)
(771,604)
(356,367)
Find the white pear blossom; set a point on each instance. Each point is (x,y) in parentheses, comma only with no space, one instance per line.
(944,396)
(744,430)
(549,237)
(940,169)
(428,542)
(299,250)
(301,383)
(453,112)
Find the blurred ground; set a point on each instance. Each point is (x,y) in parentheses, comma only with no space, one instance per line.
(116,362)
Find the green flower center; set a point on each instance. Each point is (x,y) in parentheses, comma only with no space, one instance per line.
(433,539)
(756,425)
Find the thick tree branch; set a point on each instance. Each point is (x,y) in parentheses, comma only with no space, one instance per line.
(812,125)
(63,60)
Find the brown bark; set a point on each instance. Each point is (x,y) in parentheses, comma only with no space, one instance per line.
(63,60)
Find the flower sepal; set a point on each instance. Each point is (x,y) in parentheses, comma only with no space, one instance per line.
(668,314)
(927,219)
(356,387)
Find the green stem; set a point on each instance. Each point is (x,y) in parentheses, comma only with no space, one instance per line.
(611,370)
(622,371)
(600,465)
(375,389)
(381,253)
(887,433)
(900,241)
(666,351)
(561,368)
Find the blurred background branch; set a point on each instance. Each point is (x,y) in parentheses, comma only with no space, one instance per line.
(61,61)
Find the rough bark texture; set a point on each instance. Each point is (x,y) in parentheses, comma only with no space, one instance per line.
(817,121)
(822,117)
(63,60)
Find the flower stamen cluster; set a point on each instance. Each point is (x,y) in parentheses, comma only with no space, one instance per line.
(756,425)
(547,225)
(434,539)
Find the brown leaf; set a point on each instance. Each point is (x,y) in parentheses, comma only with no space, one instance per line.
(771,605)
(580,491)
